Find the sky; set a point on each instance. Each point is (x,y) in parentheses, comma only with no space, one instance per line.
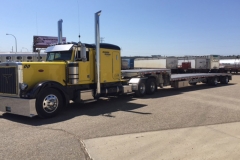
(138,27)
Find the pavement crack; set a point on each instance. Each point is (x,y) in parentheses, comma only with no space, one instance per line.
(222,132)
(80,141)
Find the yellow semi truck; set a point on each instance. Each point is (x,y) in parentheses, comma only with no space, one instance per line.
(44,88)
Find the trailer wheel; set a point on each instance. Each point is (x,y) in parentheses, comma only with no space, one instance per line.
(213,81)
(225,80)
(141,89)
(48,103)
(151,86)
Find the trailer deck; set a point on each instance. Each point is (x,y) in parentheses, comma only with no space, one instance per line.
(176,77)
(139,72)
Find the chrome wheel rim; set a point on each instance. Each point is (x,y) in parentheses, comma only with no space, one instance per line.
(142,88)
(215,81)
(152,87)
(226,79)
(50,103)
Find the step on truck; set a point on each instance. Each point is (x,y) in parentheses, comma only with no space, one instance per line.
(44,88)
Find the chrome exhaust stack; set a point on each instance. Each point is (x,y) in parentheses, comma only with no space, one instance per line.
(60,31)
(97,56)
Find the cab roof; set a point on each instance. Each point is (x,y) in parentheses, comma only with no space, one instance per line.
(67,47)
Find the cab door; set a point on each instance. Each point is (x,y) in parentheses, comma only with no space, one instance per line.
(84,70)
(116,62)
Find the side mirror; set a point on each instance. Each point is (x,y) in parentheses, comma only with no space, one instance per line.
(83,52)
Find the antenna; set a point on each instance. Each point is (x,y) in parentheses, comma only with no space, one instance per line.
(78,22)
(37,23)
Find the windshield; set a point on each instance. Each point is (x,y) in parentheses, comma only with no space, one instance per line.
(59,55)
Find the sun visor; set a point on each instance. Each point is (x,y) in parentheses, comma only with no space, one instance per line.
(65,47)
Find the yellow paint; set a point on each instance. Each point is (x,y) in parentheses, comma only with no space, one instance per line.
(110,65)
(51,71)
(110,69)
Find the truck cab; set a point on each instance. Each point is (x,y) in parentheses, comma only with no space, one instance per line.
(69,69)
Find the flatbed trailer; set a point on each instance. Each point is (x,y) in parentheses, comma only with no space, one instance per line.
(146,81)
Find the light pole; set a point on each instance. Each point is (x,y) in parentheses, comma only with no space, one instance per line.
(15,40)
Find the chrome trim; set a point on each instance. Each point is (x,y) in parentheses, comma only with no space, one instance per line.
(60,31)
(19,76)
(64,47)
(73,76)
(19,106)
(134,80)
(73,72)
(83,52)
(50,103)
(127,89)
(97,41)
(117,89)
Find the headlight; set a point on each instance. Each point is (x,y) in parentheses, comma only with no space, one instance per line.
(23,86)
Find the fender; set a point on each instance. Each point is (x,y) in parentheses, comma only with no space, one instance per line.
(47,84)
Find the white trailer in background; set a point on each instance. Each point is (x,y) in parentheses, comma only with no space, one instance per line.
(151,63)
(213,62)
(196,63)
(229,65)
(22,57)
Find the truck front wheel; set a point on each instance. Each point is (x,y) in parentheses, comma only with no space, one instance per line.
(48,103)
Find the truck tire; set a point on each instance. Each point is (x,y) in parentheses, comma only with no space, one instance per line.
(213,81)
(225,80)
(48,103)
(141,89)
(151,86)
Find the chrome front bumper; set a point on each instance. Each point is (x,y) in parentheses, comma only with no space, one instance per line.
(24,107)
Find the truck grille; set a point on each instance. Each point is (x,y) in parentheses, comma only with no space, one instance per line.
(8,78)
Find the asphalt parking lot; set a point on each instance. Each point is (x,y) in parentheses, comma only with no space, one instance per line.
(63,137)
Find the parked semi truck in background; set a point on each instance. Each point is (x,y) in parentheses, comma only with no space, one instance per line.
(198,64)
(127,63)
(203,64)
(167,62)
(44,88)
(229,65)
